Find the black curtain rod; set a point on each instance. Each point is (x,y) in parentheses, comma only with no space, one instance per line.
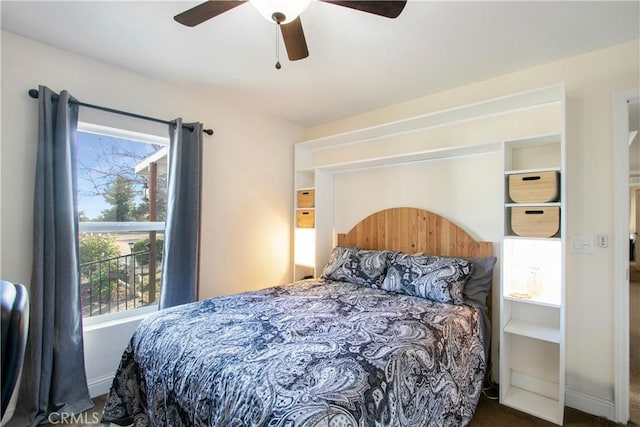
(34,94)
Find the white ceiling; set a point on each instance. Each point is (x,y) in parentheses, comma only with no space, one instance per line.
(358,62)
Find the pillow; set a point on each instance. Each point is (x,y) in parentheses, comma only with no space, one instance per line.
(439,279)
(477,286)
(356,265)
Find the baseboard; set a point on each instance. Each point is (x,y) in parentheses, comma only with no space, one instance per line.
(589,403)
(100,386)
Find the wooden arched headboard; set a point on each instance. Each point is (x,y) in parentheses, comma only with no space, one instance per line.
(412,230)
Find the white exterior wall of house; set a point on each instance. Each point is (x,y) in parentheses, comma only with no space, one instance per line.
(591,80)
(247,181)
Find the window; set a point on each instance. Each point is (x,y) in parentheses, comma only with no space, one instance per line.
(122,208)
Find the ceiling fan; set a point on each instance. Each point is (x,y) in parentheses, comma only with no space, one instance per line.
(286,14)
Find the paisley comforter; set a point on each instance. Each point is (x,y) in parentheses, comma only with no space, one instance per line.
(312,353)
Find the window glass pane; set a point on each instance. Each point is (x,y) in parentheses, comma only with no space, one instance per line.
(118,271)
(114,181)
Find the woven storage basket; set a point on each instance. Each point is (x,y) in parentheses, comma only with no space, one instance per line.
(535,221)
(535,187)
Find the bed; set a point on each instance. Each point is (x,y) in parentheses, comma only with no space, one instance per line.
(385,337)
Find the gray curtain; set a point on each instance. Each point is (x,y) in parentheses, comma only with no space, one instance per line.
(180,262)
(54,382)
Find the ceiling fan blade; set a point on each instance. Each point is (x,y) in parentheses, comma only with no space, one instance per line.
(386,8)
(207,10)
(294,40)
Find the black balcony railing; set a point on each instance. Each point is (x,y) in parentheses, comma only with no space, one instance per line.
(116,284)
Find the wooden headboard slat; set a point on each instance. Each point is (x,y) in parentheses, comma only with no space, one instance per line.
(412,230)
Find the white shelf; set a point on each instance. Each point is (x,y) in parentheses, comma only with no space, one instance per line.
(548,300)
(519,171)
(533,330)
(535,404)
(531,205)
(545,239)
(418,156)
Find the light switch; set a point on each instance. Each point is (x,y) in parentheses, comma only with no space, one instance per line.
(576,242)
(582,244)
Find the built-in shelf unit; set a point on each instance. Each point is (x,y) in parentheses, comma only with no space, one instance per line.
(527,130)
(532,356)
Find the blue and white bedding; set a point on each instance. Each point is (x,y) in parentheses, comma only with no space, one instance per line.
(312,353)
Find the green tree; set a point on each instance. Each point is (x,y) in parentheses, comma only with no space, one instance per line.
(143,244)
(102,277)
(120,196)
(96,247)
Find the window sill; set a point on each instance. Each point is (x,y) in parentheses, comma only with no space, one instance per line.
(114,319)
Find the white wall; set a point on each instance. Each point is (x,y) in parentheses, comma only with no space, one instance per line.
(447,187)
(247,183)
(590,80)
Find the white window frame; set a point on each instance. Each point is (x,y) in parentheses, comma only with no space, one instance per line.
(110,319)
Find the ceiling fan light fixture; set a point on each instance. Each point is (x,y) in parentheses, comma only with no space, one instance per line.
(290,9)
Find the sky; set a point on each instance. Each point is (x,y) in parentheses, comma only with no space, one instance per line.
(100,152)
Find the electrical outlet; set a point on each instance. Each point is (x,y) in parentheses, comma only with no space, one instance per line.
(603,240)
